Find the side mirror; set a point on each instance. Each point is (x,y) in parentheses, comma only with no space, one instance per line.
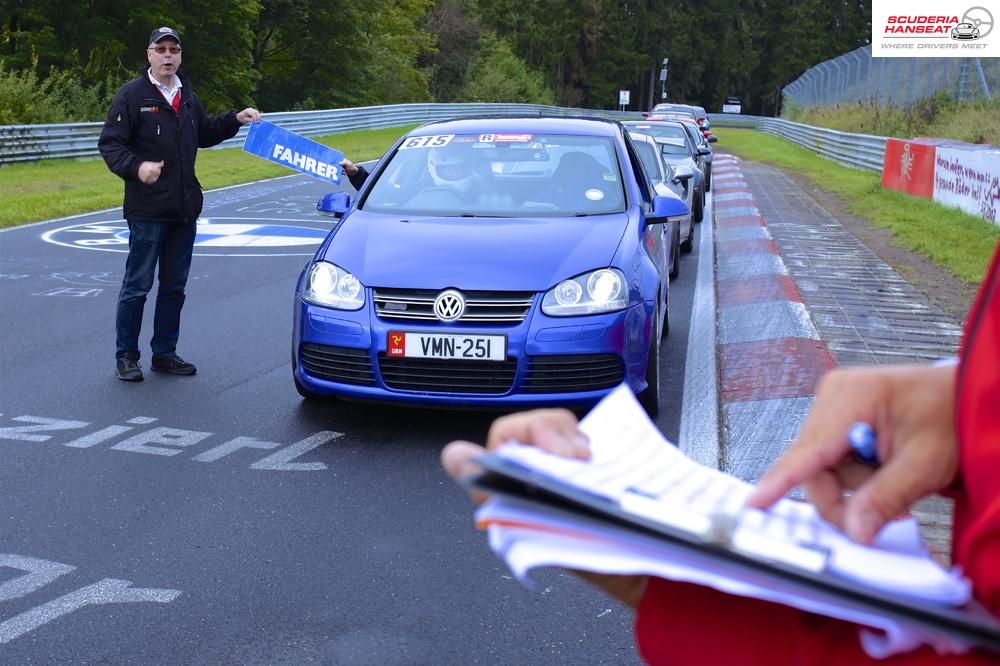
(682,173)
(334,204)
(711,138)
(665,208)
(704,150)
(645,114)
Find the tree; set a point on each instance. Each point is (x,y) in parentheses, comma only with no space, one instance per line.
(456,29)
(497,75)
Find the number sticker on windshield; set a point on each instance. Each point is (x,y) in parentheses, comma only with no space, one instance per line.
(435,141)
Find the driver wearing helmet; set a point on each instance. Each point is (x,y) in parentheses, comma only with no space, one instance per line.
(456,166)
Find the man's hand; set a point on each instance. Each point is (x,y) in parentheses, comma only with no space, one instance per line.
(555,431)
(149,172)
(349,167)
(911,408)
(248,114)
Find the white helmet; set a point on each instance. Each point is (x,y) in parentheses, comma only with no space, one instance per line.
(452,166)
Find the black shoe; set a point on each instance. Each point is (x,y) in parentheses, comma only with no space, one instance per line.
(175,365)
(128,369)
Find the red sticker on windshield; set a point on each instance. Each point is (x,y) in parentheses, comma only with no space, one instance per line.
(498,138)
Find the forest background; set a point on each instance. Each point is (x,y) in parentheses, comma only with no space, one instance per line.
(62,61)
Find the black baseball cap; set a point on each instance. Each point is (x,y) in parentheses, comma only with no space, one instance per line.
(161,33)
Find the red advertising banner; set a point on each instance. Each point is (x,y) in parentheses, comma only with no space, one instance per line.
(909,166)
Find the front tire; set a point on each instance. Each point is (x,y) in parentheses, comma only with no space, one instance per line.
(675,270)
(650,398)
(699,204)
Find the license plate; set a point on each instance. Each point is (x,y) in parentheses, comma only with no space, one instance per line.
(452,346)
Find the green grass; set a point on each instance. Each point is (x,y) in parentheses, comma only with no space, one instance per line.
(55,188)
(973,122)
(961,243)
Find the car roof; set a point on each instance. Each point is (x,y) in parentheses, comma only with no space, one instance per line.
(521,125)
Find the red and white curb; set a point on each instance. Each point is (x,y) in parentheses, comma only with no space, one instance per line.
(769,353)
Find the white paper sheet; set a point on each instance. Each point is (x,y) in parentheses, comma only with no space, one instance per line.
(632,464)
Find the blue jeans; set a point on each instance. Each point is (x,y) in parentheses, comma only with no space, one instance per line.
(170,244)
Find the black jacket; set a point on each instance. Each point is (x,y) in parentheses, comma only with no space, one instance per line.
(141,126)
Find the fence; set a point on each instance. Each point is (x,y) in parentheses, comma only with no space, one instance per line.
(861,151)
(857,77)
(22,143)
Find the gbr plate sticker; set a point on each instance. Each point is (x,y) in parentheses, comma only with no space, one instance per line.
(435,141)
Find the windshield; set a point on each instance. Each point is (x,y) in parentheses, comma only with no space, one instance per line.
(658,130)
(674,147)
(673,108)
(500,175)
(650,161)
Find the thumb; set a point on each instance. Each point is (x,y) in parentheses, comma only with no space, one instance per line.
(160,163)
(456,458)
(889,493)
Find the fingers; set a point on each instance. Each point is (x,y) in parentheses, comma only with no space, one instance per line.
(149,172)
(247,115)
(349,167)
(842,397)
(889,493)
(801,463)
(552,430)
(456,458)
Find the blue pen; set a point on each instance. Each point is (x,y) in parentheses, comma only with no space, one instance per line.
(862,439)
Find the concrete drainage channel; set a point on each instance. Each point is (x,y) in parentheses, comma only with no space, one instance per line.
(798,294)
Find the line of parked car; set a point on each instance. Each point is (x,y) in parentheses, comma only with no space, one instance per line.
(504,262)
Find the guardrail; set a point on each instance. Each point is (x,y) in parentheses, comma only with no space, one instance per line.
(862,151)
(25,143)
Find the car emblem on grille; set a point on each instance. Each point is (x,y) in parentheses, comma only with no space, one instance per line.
(449,305)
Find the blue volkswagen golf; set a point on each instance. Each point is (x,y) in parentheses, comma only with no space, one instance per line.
(507,262)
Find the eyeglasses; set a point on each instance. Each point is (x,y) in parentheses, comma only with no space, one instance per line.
(163,49)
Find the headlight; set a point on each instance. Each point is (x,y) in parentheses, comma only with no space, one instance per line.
(333,287)
(603,290)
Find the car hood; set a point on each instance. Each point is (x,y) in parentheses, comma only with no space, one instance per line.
(520,254)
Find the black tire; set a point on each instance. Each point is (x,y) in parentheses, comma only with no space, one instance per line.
(676,270)
(688,243)
(666,316)
(699,205)
(708,177)
(650,398)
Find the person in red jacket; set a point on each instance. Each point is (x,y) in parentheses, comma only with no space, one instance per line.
(939,431)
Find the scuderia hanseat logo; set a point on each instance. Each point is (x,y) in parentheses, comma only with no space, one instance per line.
(928,28)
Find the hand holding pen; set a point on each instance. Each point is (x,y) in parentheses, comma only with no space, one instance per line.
(911,451)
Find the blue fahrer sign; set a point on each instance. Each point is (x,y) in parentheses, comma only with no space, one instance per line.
(273,143)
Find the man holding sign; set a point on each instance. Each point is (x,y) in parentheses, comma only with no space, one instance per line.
(150,139)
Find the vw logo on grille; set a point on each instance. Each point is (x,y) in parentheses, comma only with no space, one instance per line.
(449,305)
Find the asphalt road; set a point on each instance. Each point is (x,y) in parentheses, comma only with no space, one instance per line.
(219,518)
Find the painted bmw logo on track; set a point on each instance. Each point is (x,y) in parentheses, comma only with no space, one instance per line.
(217,236)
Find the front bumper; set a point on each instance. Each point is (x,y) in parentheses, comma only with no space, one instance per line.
(571,361)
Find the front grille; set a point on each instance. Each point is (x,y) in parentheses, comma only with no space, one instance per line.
(447,376)
(345,365)
(481,307)
(577,372)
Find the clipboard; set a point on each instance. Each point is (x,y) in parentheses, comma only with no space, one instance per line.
(971,623)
